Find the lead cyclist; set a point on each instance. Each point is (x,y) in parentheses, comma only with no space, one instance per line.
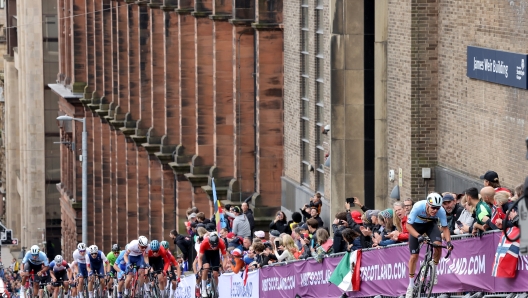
(423,219)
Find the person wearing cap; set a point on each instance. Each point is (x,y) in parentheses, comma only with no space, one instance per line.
(261,235)
(383,238)
(453,211)
(491,178)
(241,225)
(237,263)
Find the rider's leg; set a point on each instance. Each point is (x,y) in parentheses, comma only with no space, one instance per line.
(141,277)
(205,272)
(412,268)
(437,253)
(55,292)
(162,281)
(128,282)
(90,284)
(66,286)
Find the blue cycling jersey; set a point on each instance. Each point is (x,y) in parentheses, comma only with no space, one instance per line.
(121,258)
(97,261)
(37,260)
(419,215)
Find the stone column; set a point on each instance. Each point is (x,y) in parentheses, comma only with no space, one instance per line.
(98,229)
(89,44)
(269,77)
(78,37)
(243,64)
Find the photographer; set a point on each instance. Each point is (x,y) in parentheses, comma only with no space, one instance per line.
(339,224)
(280,223)
(315,202)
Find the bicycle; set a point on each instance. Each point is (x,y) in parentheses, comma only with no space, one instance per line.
(424,282)
(211,286)
(136,291)
(153,278)
(112,284)
(99,292)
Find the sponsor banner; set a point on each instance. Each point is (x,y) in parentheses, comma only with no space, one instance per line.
(499,67)
(186,287)
(231,285)
(385,272)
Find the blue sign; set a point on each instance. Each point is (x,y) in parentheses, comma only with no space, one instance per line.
(499,67)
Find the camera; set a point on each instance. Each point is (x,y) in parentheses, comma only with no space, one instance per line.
(350,201)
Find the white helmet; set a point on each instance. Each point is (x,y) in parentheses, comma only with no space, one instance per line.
(93,249)
(81,246)
(143,241)
(58,259)
(35,250)
(434,199)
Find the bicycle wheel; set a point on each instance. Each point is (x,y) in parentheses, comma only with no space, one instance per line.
(214,292)
(426,279)
(156,291)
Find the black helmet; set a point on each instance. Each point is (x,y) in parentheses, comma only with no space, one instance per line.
(213,240)
(115,247)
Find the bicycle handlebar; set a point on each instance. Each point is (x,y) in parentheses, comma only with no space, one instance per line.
(428,242)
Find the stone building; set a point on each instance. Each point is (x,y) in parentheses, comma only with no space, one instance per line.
(174,94)
(32,159)
(390,79)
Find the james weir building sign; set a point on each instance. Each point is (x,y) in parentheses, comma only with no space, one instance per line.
(499,67)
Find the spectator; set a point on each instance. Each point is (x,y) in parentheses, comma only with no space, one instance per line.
(315,202)
(259,250)
(350,237)
(241,224)
(249,214)
(272,235)
(288,248)
(324,245)
(453,211)
(356,203)
(491,178)
(280,223)
(296,235)
(268,257)
(407,205)
(223,235)
(497,214)
(312,228)
(339,224)
(246,243)
(488,196)
(400,221)
(234,241)
(237,264)
(250,256)
(385,219)
(519,192)
(296,219)
(482,209)
(184,243)
(465,219)
(315,215)
(261,235)
(513,216)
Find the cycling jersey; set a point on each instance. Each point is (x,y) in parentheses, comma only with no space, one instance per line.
(111,257)
(206,246)
(134,250)
(419,215)
(162,253)
(57,267)
(120,261)
(78,257)
(40,259)
(97,261)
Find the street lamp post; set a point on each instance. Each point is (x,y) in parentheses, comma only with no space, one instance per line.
(84,175)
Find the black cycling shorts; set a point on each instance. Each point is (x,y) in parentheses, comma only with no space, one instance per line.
(212,257)
(28,266)
(156,263)
(61,275)
(429,228)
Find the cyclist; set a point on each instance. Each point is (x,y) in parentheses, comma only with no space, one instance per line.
(111,257)
(423,219)
(172,276)
(79,258)
(120,268)
(209,256)
(160,261)
(73,283)
(61,272)
(136,254)
(96,262)
(36,261)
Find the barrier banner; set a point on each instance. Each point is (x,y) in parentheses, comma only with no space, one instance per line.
(385,272)
(231,285)
(186,287)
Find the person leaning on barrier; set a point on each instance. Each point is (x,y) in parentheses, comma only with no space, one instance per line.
(453,211)
(350,236)
(465,221)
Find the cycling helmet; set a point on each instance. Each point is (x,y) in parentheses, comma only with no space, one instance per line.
(434,199)
(155,245)
(35,250)
(143,241)
(93,249)
(115,247)
(81,246)
(213,240)
(58,259)
(165,244)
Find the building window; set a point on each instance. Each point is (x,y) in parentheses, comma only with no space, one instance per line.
(2,4)
(305,95)
(319,95)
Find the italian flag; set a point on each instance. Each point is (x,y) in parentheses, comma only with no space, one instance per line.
(346,275)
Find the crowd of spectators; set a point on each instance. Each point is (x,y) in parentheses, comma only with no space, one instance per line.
(355,227)
(11,279)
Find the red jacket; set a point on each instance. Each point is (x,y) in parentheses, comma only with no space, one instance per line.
(404,235)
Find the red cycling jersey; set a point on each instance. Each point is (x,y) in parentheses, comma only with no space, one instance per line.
(166,255)
(206,246)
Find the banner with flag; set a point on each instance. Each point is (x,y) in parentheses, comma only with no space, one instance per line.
(507,255)
(346,275)
(219,213)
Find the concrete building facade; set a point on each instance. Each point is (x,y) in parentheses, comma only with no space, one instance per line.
(32,158)
(174,94)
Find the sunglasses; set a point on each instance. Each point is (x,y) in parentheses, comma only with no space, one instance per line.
(155,251)
(142,247)
(95,254)
(435,208)
(82,250)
